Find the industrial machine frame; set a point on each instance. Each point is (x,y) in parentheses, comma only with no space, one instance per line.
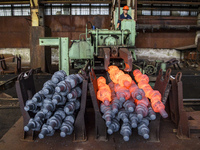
(186,122)
(63,49)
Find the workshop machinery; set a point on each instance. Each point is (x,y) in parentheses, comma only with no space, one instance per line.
(101,47)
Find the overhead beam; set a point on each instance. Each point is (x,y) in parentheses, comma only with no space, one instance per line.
(34,12)
(73,1)
(169,8)
(168,2)
(14,2)
(56,2)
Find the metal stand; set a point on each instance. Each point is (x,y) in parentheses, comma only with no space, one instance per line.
(25,90)
(185,121)
(163,87)
(100,126)
(3,67)
(79,125)
(63,48)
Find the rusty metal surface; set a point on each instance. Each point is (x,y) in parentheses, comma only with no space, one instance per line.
(164,39)
(79,125)
(169,20)
(17,36)
(183,128)
(100,126)
(25,90)
(14,32)
(106,58)
(173,62)
(126,55)
(114,51)
(185,122)
(40,55)
(162,86)
(8,83)
(2,64)
(72,26)
(173,102)
(6,70)
(162,82)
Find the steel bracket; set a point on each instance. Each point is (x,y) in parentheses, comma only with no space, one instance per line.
(100,126)
(63,48)
(25,90)
(164,88)
(106,58)
(126,55)
(79,125)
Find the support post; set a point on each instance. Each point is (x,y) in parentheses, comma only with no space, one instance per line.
(63,47)
(40,56)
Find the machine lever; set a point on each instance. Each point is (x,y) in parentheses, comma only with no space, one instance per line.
(127,57)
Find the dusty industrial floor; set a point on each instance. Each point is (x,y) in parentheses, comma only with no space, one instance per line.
(168,140)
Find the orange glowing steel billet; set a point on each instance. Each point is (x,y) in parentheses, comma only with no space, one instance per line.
(153,95)
(119,77)
(104,91)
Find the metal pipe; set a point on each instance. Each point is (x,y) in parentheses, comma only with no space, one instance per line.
(135,11)
(176,27)
(96,41)
(122,37)
(119,9)
(191,100)
(66,2)
(191,104)
(7,58)
(14,2)
(86,32)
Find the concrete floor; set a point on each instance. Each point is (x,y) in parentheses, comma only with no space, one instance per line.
(7,119)
(6,124)
(168,140)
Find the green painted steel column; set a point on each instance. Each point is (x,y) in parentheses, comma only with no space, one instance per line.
(64,55)
(63,49)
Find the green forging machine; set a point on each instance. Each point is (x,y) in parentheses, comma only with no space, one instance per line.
(99,47)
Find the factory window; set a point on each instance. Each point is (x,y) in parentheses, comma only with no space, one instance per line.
(80,9)
(182,10)
(99,9)
(15,10)
(193,13)
(183,13)
(160,13)
(76,9)
(60,9)
(21,9)
(47,10)
(156,13)
(165,13)
(146,12)
(5,10)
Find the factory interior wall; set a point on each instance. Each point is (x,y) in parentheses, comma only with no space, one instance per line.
(15,32)
(157,54)
(168,40)
(142,53)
